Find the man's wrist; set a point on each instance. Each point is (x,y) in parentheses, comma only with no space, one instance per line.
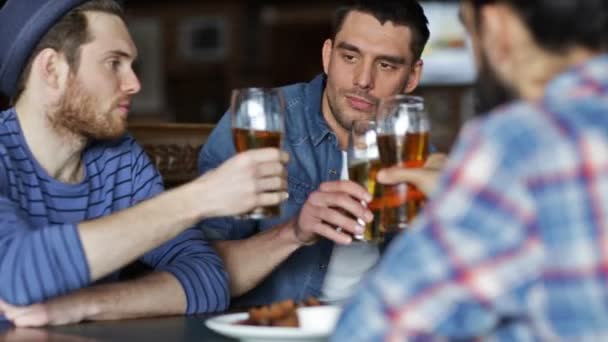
(190,196)
(304,242)
(294,233)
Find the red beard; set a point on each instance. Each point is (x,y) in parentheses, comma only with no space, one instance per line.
(80,113)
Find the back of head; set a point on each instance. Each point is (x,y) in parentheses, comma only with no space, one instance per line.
(558,25)
(30,26)
(400,12)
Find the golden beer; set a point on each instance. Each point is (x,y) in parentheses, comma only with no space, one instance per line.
(364,173)
(416,149)
(402,202)
(247,139)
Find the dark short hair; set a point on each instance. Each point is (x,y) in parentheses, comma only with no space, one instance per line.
(400,12)
(67,36)
(558,25)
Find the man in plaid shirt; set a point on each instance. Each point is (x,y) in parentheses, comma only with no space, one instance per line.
(513,245)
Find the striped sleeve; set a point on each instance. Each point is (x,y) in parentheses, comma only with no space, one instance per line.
(197,267)
(38,264)
(188,257)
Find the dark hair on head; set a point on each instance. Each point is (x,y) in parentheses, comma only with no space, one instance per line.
(400,12)
(67,36)
(558,25)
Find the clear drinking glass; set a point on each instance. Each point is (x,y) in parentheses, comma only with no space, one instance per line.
(403,139)
(363,165)
(257,122)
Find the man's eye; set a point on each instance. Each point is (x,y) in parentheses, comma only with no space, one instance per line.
(114,64)
(386,66)
(349,58)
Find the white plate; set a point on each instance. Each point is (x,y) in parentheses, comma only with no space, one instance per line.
(316,324)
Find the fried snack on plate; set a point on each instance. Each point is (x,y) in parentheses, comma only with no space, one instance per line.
(279,314)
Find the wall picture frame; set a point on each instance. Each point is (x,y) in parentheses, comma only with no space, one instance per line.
(147,33)
(203,39)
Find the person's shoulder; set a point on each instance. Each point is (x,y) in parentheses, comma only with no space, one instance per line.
(294,95)
(8,120)
(8,130)
(297,93)
(124,143)
(516,133)
(513,121)
(301,101)
(509,127)
(122,148)
(7,115)
(294,90)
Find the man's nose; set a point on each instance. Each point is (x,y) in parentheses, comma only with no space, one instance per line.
(130,83)
(364,76)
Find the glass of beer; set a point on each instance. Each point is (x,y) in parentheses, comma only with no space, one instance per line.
(257,121)
(363,165)
(403,139)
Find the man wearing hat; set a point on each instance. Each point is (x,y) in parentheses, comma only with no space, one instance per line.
(68,173)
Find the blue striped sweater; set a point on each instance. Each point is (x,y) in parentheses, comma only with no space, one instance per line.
(41,255)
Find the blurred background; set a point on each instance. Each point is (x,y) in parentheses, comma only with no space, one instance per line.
(193,52)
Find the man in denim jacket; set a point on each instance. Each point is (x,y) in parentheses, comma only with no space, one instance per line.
(375,52)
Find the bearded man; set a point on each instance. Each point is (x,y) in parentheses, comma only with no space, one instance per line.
(79,198)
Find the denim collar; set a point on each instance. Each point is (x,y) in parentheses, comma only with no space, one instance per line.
(314,93)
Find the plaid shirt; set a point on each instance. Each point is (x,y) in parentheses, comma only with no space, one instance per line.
(514,244)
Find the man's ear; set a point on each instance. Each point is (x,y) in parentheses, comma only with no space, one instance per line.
(326,54)
(51,68)
(414,77)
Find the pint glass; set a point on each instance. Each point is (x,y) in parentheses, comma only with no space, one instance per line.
(403,140)
(257,121)
(363,165)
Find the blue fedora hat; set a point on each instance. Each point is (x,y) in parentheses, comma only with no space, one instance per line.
(22,24)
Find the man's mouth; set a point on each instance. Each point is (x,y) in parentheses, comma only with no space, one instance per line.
(360,104)
(124,107)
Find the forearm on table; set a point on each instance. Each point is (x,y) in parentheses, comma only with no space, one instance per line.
(250,260)
(156,294)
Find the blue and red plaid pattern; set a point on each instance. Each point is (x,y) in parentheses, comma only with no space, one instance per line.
(514,244)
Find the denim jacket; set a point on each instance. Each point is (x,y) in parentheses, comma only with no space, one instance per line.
(315,157)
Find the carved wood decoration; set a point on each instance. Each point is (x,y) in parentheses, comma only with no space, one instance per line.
(173,148)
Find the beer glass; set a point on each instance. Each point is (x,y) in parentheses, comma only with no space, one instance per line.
(363,165)
(403,139)
(257,121)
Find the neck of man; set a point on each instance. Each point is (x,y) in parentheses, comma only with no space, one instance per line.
(340,132)
(57,150)
(541,67)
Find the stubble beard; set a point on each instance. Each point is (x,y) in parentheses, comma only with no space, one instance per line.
(339,112)
(77,114)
